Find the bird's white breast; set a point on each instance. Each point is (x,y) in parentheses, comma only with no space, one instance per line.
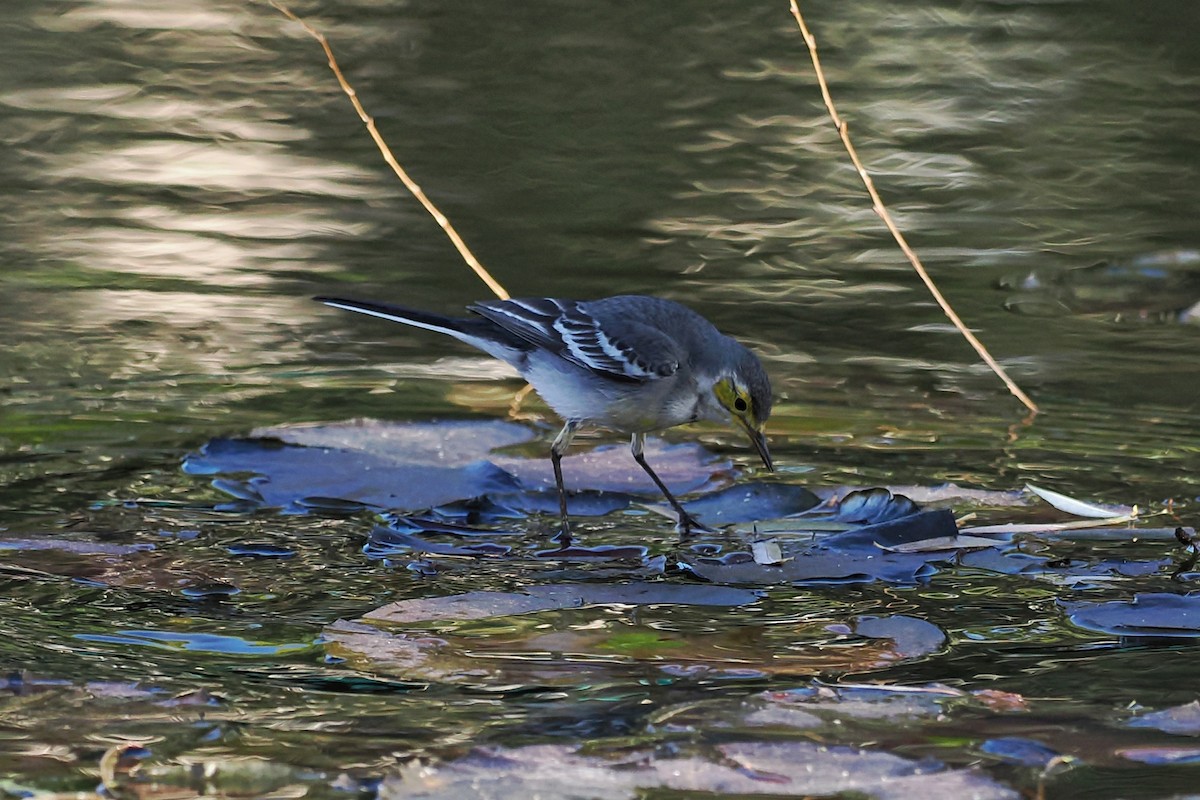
(627,406)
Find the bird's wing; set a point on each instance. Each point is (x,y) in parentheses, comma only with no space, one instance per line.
(619,346)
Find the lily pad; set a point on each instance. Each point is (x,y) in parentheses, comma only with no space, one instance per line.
(299,479)
(346,467)
(747,502)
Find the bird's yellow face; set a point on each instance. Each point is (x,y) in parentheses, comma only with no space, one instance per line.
(738,401)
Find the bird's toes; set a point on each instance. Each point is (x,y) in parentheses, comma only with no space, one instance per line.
(562,538)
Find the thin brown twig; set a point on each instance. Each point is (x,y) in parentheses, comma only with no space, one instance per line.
(409,183)
(883,213)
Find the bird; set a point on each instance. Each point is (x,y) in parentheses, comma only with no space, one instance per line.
(629,363)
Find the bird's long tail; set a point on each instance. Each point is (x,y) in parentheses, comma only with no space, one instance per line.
(408,316)
(477,332)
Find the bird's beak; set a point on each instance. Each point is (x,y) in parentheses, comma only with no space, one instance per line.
(759,439)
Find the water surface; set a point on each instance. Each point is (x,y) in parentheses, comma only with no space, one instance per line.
(177,182)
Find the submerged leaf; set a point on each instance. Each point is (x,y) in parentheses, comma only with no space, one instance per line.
(387,541)
(912,637)
(785,768)
(477,605)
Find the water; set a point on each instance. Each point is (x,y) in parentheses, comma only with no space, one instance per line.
(177,182)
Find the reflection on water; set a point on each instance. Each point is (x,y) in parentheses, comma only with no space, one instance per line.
(178,179)
(170,148)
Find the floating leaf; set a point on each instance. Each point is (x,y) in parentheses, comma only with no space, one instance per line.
(198,642)
(1184,719)
(854,556)
(942,543)
(1051,527)
(306,478)
(755,500)
(766,552)
(462,468)
(1152,614)
(873,506)
(1161,755)
(1079,508)
(1017,750)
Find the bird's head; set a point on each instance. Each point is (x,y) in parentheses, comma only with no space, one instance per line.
(745,392)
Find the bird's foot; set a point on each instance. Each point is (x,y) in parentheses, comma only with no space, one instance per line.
(563,537)
(688,525)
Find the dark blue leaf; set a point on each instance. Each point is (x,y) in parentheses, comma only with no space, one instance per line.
(1184,719)
(1153,614)
(871,506)
(913,637)
(747,502)
(1016,750)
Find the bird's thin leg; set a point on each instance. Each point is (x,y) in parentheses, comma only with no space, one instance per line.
(686,521)
(560,445)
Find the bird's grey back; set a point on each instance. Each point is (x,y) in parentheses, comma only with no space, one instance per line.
(628,337)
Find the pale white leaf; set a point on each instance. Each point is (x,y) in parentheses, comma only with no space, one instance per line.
(1044,527)
(942,543)
(766,552)
(1075,507)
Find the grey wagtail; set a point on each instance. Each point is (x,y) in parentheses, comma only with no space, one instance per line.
(630,363)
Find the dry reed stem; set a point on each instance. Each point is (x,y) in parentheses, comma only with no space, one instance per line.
(408,182)
(883,213)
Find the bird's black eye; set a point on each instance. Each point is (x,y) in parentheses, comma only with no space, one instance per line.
(740,404)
